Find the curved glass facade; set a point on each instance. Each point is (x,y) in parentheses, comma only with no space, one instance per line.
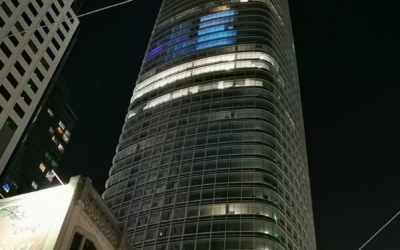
(212,154)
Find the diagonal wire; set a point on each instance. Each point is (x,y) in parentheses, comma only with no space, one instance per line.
(373,236)
(63,20)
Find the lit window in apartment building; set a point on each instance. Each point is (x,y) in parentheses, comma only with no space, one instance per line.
(61,148)
(51,130)
(66,135)
(50,112)
(26,98)
(50,176)
(32,86)
(11,124)
(55,140)
(6,187)
(42,167)
(39,74)
(61,127)
(34,185)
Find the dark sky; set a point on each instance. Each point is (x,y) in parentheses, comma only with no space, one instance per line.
(348,55)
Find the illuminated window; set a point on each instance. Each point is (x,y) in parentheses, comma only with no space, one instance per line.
(61,127)
(42,167)
(55,140)
(66,135)
(183,71)
(50,176)
(34,185)
(221,8)
(218,15)
(6,187)
(61,148)
(50,112)
(195,89)
(51,130)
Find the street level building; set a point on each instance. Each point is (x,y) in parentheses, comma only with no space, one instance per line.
(213,154)
(29,57)
(68,217)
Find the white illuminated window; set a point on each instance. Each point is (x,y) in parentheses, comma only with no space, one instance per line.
(51,130)
(50,112)
(66,135)
(152,84)
(61,148)
(206,87)
(55,140)
(205,61)
(34,185)
(221,8)
(50,176)
(42,167)
(61,127)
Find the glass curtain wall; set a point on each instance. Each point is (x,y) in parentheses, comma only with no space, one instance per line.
(212,153)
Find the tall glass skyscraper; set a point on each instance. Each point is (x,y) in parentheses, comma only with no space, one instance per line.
(212,155)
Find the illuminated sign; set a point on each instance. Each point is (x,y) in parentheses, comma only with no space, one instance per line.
(33,221)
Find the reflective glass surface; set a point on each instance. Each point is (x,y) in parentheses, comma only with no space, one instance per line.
(212,153)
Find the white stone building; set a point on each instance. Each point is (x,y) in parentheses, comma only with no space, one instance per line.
(68,217)
(28,61)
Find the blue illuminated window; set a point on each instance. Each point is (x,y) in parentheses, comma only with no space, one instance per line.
(214,29)
(216,43)
(219,35)
(218,15)
(6,187)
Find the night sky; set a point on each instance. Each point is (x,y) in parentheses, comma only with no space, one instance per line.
(348,56)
